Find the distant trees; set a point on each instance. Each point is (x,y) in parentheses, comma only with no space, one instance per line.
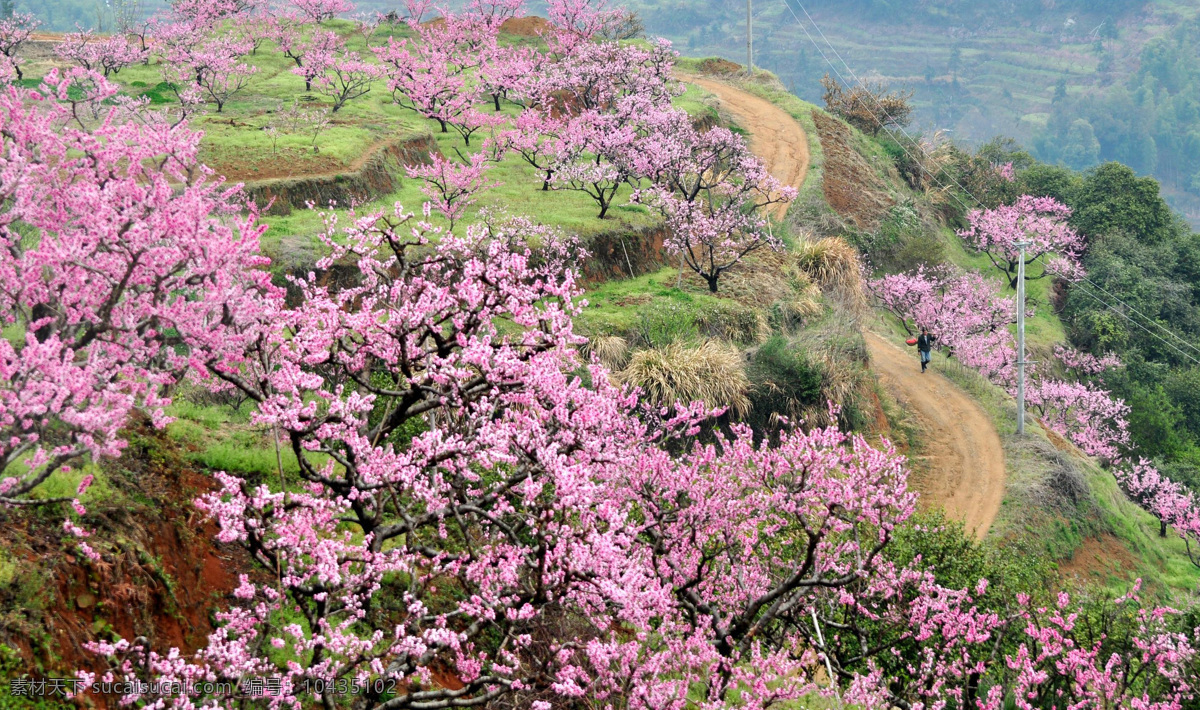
(108,55)
(321,10)
(870,106)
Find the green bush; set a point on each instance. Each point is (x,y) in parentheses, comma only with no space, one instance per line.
(784,382)
(901,243)
(659,325)
(728,320)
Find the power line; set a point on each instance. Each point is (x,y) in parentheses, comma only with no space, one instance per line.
(891,119)
(1148,331)
(1150,320)
(1177,337)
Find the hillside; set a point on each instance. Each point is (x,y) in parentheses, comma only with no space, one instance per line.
(623,415)
(980,70)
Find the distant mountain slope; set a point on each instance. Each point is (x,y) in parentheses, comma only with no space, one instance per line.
(1029,69)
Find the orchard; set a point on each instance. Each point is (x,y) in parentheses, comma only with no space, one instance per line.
(481,517)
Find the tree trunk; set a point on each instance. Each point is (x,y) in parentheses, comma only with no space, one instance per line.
(1162,528)
(445,128)
(546,182)
(496,98)
(712,282)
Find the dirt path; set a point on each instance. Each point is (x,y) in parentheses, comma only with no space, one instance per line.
(965,474)
(965,471)
(774,135)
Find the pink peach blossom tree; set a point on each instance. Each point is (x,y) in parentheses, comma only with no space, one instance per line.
(318,11)
(527,534)
(712,191)
(433,74)
(126,266)
(108,55)
(15,31)
(309,48)
(452,187)
(1085,413)
(1039,221)
(344,77)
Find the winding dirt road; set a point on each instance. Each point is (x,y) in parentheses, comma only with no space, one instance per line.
(774,135)
(965,474)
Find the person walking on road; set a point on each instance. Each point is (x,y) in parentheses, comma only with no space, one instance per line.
(925,347)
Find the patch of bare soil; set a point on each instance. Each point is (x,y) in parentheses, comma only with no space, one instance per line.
(852,188)
(1097,558)
(965,460)
(282,165)
(531,26)
(162,574)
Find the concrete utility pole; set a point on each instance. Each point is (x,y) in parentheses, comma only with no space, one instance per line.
(750,37)
(1021,340)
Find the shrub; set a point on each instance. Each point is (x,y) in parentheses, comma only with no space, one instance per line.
(661,325)
(834,265)
(870,107)
(784,382)
(902,242)
(728,320)
(713,373)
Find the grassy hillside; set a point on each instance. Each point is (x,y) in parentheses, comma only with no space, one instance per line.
(237,145)
(782,337)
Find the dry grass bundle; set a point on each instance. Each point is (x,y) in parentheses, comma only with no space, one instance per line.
(835,265)
(802,304)
(797,310)
(713,373)
(611,350)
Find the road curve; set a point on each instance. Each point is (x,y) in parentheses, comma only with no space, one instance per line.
(965,474)
(774,134)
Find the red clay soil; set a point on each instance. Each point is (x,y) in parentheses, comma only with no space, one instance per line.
(531,26)
(852,188)
(280,166)
(162,574)
(1097,558)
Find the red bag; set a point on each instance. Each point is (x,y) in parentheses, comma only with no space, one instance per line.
(911,341)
